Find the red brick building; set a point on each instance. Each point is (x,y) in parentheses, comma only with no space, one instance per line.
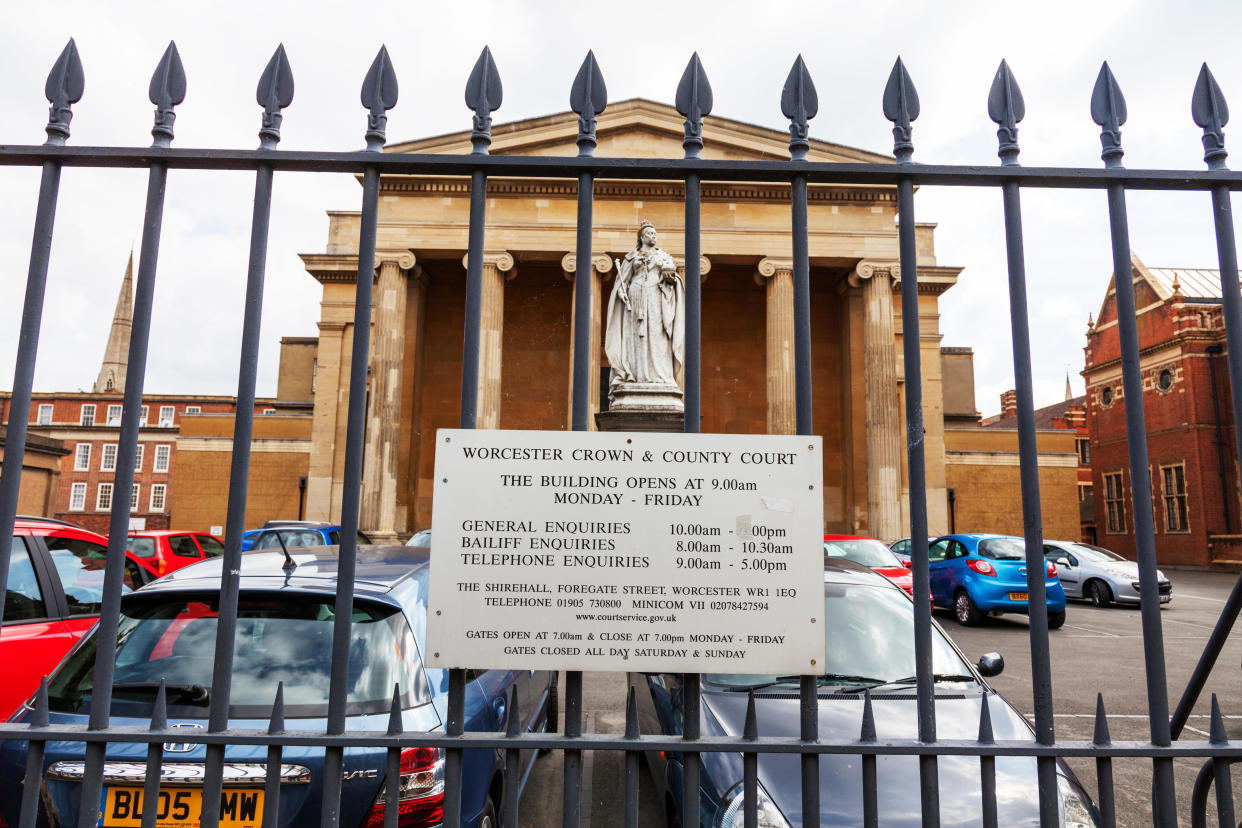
(1192,465)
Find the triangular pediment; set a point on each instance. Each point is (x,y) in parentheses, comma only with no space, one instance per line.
(637,128)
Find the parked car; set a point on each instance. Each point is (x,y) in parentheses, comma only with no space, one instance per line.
(422,538)
(284,633)
(1098,575)
(870,553)
(978,575)
(53,596)
(295,533)
(869,628)
(903,549)
(163,550)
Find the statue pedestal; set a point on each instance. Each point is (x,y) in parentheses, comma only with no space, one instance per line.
(643,406)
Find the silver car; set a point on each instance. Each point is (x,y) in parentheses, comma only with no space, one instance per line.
(1101,576)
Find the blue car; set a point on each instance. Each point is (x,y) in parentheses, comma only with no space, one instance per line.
(869,639)
(294,533)
(284,633)
(978,575)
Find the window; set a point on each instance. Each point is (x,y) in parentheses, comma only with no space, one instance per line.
(80,565)
(1084,452)
(1114,505)
(103,498)
(82,457)
(133,497)
(114,415)
(269,411)
(1106,397)
(162,453)
(193,409)
(314,374)
(1165,380)
(107,458)
(166,416)
(138,452)
(1176,518)
(183,546)
(88,415)
(142,415)
(45,415)
(1085,491)
(157,496)
(77,497)
(211,547)
(23,600)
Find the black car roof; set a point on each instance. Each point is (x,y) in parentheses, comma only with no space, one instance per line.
(377,569)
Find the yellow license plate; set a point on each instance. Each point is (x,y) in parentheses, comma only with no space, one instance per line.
(182,808)
(1018,596)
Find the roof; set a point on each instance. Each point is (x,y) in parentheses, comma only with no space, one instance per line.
(849,537)
(378,567)
(1191,283)
(1044,417)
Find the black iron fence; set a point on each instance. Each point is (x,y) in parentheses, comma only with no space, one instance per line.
(694,100)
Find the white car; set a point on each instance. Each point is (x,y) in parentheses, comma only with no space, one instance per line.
(1098,575)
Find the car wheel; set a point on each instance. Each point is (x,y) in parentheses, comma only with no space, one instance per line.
(964,608)
(1056,620)
(1099,593)
(488,818)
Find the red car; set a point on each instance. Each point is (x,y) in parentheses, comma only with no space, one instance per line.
(162,551)
(54,593)
(870,552)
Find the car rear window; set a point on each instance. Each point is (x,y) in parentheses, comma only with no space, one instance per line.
(279,638)
(865,552)
(142,547)
(1003,549)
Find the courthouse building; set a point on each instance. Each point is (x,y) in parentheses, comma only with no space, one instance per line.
(747,313)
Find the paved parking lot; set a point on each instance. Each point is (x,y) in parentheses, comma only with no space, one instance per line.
(1097,651)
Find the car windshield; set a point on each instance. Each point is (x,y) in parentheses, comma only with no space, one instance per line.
(866,552)
(1003,549)
(1095,553)
(142,547)
(279,638)
(870,635)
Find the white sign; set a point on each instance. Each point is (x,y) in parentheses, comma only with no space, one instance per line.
(627,551)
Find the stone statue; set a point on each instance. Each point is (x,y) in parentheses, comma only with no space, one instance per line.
(646,328)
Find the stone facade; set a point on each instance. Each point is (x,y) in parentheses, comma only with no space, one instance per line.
(415,364)
(1189,418)
(40,473)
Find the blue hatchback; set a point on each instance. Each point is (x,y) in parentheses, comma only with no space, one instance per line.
(294,533)
(284,634)
(978,575)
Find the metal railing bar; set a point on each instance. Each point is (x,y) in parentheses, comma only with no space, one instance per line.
(32,781)
(871,801)
(632,772)
(692,371)
(1104,767)
(987,766)
(1164,806)
(571,800)
(155,760)
(275,757)
(1032,518)
(512,761)
(817,172)
(118,529)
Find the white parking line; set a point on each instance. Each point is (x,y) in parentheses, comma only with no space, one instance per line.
(1200,597)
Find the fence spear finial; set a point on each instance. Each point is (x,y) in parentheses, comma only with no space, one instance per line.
(275,92)
(379,94)
(484,94)
(799,103)
(166,91)
(631,715)
(901,106)
(1006,108)
(986,735)
(159,710)
(694,101)
(587,98)
(63,89)
(1216,730)
(1211,113)
(41,717)
(750,729)
(867,732)
(276,724)
(1101,736)
(1108,110)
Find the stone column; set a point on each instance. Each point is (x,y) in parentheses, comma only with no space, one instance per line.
(884,439)
(601,265)
(497,269)
(378,514)
(777,276)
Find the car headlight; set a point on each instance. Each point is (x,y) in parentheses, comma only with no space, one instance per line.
(732,814)
(1077,811)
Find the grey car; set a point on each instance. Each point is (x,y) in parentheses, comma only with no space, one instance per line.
(1101,576)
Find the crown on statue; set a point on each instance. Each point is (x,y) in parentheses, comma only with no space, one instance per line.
(644,224)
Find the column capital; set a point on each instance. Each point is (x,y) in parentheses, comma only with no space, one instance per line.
(769,266)
(502,260)
(601,263)
(865,270)
(404,259)
(705,267)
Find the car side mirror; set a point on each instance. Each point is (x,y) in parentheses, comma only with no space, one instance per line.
(991,664)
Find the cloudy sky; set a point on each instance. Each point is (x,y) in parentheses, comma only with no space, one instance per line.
(951,49)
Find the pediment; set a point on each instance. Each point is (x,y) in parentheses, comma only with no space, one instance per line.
(637,128)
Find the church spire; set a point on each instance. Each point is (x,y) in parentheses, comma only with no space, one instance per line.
(116,356)
(1069,392)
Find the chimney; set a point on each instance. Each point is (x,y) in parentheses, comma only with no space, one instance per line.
(1009,404)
